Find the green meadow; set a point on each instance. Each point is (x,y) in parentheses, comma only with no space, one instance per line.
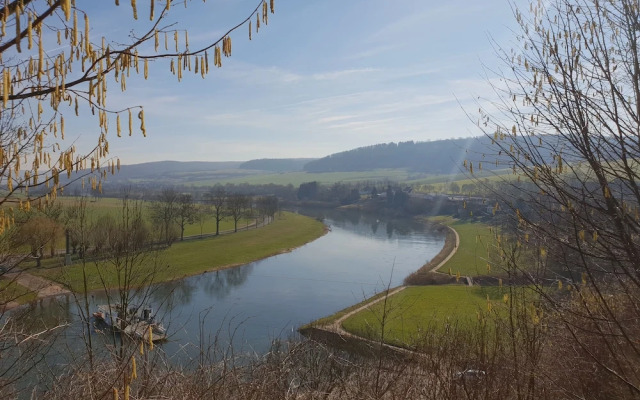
(407,315)
(470,259)
(287,232)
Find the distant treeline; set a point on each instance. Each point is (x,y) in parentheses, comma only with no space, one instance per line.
(437,157)
(432,157)
(276,164)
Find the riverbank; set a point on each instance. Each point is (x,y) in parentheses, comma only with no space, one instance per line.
(443,301)
(429,273)
(287,232)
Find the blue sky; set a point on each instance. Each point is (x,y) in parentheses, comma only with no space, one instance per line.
(324,76)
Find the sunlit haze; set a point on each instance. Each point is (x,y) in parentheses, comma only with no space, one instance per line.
(322,77)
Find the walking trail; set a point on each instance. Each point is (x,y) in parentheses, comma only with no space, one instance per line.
(41,286)
(336,326)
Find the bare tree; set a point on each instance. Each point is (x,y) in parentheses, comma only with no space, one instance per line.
(164,212)
(128,263)
(186,212)
(35,230)
(217,199)
(267,206)
(568,119)
(201,215)
(236,205)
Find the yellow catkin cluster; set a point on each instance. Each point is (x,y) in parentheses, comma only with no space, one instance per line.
(217,57)
(51,70)
(265,13)
(6,86)
(142,127)
(130,123)
(66,8)
(226,46)
(134,372)
(150,337)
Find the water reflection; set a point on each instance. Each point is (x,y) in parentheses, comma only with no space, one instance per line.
(216,285)
(368,224)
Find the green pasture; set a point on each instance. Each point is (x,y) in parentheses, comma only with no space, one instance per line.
(472,254)
(411,312)
(287,232)
(209,226)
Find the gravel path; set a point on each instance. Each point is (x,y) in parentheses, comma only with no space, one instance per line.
(455,248)
(336,326)
(41,286)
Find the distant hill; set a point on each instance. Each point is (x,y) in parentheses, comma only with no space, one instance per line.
(200,172)
(277,164)
(437,157)
(440,157)
(170,168)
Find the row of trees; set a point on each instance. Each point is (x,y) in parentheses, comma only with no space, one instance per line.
(43,229)
(173,211)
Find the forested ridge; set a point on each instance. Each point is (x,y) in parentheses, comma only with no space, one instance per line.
(431,157)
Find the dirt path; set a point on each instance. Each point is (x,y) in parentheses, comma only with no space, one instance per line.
(455,248)
(41,286)
(336,326)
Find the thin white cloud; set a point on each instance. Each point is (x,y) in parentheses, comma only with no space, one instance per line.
(371,52)
(333,75)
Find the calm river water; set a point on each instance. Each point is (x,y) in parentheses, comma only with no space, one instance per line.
(271,298)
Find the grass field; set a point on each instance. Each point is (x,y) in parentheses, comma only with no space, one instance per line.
(288,231)
(415,309)
(418,308)
(470,258)
(112,206)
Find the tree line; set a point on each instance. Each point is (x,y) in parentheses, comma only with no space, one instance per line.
(172,210)
(43,230)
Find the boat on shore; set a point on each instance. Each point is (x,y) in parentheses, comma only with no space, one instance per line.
(136,322)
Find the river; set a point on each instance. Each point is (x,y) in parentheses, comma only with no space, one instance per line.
(258,302)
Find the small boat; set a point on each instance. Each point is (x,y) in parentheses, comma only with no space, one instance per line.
(141,330)
(137,322)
